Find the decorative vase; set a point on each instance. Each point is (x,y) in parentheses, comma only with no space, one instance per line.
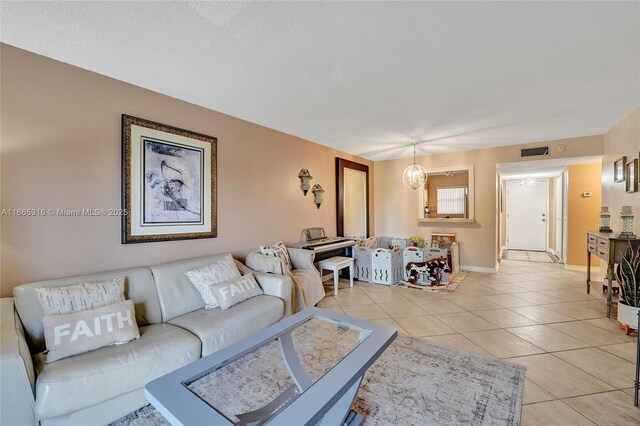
(627,317)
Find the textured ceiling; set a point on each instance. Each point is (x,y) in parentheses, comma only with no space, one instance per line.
(365,77)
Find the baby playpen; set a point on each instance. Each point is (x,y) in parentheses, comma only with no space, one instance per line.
(384,260)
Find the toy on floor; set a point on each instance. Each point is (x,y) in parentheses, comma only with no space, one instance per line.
(431,269)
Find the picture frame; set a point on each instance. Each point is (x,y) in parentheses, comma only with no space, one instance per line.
(443,239)
(169,182)
(631,171)
(619,169)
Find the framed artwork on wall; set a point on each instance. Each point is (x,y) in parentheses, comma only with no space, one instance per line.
(619,169)
(631,171)
(168,182)
(443,239)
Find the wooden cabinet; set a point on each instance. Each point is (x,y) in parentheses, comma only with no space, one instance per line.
(610,249)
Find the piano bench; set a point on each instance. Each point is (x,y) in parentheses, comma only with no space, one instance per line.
(335,264)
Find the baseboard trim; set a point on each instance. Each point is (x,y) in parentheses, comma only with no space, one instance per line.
(468,268)
(595,271)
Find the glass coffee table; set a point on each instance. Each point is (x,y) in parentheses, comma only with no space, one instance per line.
(303,370)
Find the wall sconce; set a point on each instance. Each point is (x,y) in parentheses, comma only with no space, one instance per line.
(317,192)
(605,220)
(305,180)
(626,223)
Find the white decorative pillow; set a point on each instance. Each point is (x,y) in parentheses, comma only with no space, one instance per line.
(236,290)
(278,250)
(218,272)
(79,332)
(80,297)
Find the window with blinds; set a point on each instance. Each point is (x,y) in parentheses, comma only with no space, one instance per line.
(451,200)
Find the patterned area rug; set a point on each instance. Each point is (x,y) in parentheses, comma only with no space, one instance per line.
(415,382)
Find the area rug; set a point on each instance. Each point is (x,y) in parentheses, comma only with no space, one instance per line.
(415,382)
(443,289)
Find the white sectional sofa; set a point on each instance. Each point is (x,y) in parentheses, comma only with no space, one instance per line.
(103,385)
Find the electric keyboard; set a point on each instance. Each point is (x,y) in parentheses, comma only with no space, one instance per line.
(324,247)
(327,244)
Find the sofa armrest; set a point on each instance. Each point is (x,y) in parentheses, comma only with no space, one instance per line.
(279,286)
(17,375)
(303,259)
(262,263)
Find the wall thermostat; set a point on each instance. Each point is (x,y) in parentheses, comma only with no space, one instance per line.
(587,194)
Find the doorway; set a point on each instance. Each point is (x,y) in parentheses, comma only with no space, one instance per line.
(355,203)
(352,203)
(527,215)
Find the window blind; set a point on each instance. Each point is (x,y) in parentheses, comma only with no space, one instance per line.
(451,200)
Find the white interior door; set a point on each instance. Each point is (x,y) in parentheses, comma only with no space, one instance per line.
(558,216)
(527,207)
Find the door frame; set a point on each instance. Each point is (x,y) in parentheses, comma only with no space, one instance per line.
(565,215)
(546,222)
(558,218)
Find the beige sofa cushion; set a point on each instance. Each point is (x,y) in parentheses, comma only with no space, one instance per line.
(217,328)
(138,286)
(178,296)
(91,378)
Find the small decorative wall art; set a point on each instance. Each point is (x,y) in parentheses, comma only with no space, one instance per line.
(168,182)
(317,192)
(305,179)
(631,172)
(619,169)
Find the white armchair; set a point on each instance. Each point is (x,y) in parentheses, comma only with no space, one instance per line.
(308,289)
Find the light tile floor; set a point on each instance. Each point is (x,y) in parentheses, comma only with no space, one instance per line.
(580,366)
(531,256)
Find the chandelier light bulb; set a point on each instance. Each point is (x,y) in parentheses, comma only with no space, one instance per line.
(415,175)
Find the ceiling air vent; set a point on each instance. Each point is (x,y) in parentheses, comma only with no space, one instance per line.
(532,152)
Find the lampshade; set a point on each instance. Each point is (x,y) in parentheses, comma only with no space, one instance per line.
(415,175)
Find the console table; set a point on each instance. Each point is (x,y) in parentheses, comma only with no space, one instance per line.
(610,249)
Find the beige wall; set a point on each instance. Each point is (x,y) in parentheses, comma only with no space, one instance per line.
(397,205)
(583,212)
(622,140)
(60,135)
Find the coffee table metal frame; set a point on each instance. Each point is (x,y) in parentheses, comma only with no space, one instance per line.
(326,402)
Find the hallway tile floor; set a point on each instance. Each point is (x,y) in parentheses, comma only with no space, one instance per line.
(580,366)
(530,256)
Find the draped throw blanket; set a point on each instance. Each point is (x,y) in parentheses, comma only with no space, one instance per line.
(308,289)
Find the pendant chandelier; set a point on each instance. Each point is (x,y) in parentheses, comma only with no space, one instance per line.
(415,175)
